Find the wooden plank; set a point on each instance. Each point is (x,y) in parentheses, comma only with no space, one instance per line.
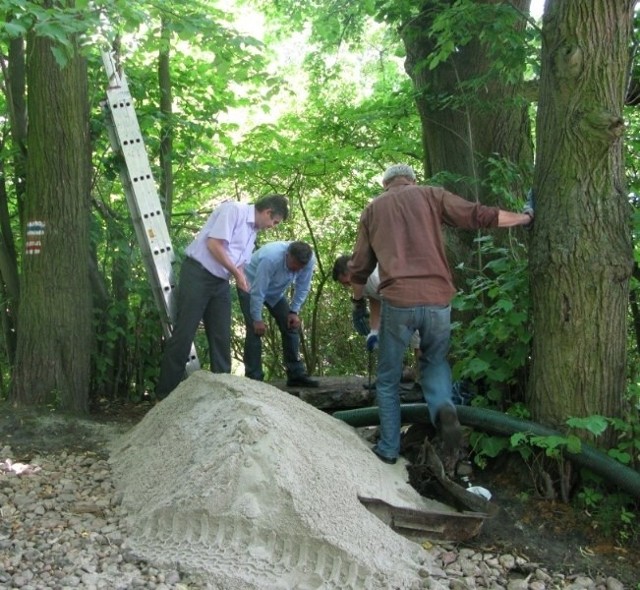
(426,524)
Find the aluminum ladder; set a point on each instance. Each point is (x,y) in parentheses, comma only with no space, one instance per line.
(142,197)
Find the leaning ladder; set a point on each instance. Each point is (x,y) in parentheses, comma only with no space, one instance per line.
(142,197)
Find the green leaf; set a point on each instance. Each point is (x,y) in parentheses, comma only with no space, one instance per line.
(620,456)
(595,424)
(60,55)
(477,366)
(14,29)
(492,446)
(505,304)
(574,444)
(519,438)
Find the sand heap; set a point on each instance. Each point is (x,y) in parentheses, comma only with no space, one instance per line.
(256,489)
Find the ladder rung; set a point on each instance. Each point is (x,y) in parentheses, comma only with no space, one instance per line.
(142,197)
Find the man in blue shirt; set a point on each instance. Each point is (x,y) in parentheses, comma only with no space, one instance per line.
(273,268)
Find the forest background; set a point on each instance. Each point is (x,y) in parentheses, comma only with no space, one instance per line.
(315,100)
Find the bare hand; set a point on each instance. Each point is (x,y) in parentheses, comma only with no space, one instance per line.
(241,281)
(259,328)
(293,321)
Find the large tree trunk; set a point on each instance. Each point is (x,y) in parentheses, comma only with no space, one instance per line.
(581,256)
(472,114)
(465,123)
(462,125)
(55,316)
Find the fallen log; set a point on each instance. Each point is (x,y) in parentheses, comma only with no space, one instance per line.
(336,393)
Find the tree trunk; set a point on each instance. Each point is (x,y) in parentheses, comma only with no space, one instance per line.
(14,75)
(9,279)
(463,125)
(18,118)
(581,255)
(472,114)
(166,108)
(55,316)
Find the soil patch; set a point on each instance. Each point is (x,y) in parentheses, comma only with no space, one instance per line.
(556,535)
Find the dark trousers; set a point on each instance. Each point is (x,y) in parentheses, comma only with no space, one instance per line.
(204,297)
(253,344)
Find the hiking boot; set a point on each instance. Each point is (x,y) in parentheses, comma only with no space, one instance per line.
(449,428)
(387,460)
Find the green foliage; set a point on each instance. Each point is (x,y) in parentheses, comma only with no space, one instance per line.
(525,444)
(553,446)
(334,23)
(627,449)
(62,23)
(626,452)
(590,498)
(493,347)
(485,447)
(493,25)
(503,179)
(614,513)
(596,425)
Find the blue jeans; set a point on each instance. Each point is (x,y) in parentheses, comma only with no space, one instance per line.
(253,344)
(397,326)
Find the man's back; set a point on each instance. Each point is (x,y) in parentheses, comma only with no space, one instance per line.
(404,227)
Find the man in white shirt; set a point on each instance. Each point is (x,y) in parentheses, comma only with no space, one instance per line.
(370,328)
(218,253)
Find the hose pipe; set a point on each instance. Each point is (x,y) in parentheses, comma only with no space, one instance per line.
(627,479)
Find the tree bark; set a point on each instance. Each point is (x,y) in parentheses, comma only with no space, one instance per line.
(55,316)
(581,255)
(463,128)
(166,108)
(14,75)
(459,135)
(467,123)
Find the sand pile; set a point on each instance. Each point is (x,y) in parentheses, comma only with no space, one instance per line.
(257,489)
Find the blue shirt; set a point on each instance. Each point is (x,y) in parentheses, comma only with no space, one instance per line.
(269,278)
(234,223)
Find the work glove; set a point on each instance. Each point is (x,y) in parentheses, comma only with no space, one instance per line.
(360,316)
(372,340)
(529,209)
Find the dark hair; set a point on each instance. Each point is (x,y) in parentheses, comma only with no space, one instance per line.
(277,203)
(301,251)
(340,266)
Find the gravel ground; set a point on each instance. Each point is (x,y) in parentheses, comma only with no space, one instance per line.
(61,527)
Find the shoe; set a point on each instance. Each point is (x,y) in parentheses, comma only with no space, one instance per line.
(302,381)
(449,428)
(388,460)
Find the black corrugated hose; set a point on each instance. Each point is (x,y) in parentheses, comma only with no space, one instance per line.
(624,477)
